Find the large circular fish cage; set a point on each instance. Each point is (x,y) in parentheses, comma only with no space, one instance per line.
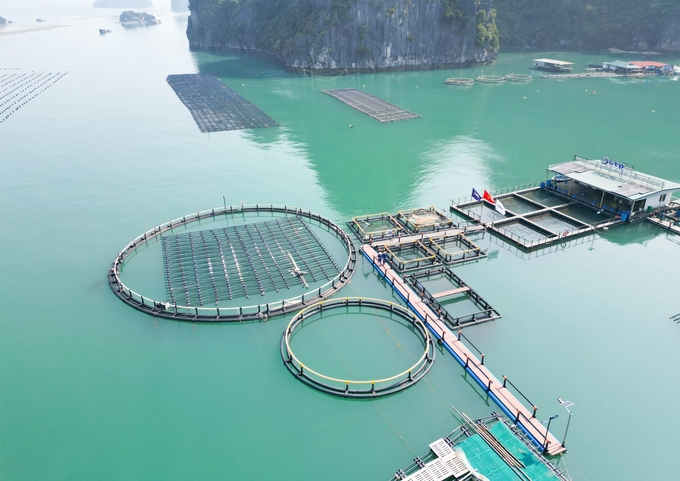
(230,314)
(459,81)
(519,78)
(353,388)
(491,79)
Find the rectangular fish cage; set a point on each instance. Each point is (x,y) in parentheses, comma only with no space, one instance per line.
(374,227)
(424,219)
(211,266)
(214,106)
(407,256)
(455,248)
(451,298)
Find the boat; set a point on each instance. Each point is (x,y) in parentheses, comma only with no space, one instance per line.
(103,31)
(40,20)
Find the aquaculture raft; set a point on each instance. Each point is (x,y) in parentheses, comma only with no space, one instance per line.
(205,267)
(17,89)
(519,77)
(459,81)
(352,388)
(371,105)
(229,314)
(491,79)
(214,106)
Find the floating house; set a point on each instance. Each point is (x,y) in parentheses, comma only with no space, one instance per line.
(622,67)
(612,186)
(553,65)
(654,67)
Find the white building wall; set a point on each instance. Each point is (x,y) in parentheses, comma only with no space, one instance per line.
(654,201)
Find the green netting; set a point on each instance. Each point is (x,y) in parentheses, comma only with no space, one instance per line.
(488,463)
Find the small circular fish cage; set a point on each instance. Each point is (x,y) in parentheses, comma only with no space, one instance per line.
(221,262)
(459,81)
(355,388)
(491,79)
(519,78)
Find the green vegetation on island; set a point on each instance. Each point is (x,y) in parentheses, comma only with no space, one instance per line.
(590,24)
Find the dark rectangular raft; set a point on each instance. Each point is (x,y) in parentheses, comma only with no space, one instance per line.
(371,105)
(214,106)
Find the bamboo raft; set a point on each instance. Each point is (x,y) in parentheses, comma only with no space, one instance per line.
(371,105)
(214,106)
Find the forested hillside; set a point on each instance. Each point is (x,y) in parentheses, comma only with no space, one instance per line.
(624,24)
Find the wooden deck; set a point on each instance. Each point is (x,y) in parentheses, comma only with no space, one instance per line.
(452,292)
(666,224)
(428,235)
(510,405)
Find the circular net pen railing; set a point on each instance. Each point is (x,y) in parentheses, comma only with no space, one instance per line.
(358,388)
(177,310)
(519,78)
(491,79)
(459,81)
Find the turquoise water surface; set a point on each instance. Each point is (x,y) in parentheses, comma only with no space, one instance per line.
(92,389)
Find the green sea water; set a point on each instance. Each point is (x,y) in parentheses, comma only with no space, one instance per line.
(91,389)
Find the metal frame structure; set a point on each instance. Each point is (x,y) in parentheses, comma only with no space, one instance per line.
(443,221)
(485,314)
(366,235)
(353,388)
(230,314)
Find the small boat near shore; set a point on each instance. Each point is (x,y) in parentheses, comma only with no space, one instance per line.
(104,31)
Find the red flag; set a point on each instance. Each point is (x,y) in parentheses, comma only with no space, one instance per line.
(488,197)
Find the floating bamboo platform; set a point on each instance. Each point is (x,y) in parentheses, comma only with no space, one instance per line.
(214,106)
(371,105)
(501,392)
(18,89)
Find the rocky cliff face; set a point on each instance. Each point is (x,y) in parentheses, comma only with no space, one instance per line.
(338,34)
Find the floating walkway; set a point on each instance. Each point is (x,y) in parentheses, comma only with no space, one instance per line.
(499,392)
(214,106)
(371,105)
(562,76)
(18,89)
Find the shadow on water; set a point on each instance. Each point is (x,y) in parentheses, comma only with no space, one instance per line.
(628,234)
(237,65)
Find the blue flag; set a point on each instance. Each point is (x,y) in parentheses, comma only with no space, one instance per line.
(475,195)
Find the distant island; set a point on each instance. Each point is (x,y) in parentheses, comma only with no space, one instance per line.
(333,35)
(629,25)
(130,19)
(122,4)
(179,5)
